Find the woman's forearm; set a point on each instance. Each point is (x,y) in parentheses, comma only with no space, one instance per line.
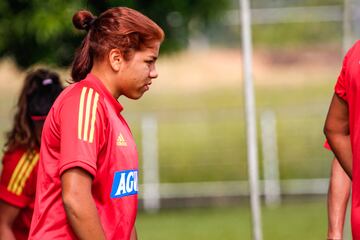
(79,204)
(133,234)
(338,196)
(341,146)
(83,217)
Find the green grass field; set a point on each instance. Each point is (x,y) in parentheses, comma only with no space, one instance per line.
(202,136)
(194,120)
(294,219)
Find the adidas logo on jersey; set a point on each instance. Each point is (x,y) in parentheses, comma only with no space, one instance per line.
(121,141)
(125,183)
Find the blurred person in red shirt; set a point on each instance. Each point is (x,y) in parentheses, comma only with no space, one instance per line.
(19,170)
(88,171)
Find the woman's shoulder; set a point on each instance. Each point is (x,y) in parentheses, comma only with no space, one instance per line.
(79,97)
(354,50)
(15,154)
(80,91)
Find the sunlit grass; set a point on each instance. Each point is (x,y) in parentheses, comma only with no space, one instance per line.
(296,220)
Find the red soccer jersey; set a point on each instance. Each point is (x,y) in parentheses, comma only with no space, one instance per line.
(348,88)
(326,145)
(17,187)
(85,129)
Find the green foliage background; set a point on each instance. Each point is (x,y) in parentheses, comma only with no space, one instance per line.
(34,31)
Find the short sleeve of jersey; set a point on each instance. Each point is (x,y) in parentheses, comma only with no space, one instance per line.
(17,177)
(81,119)
(326,145)
(341,85)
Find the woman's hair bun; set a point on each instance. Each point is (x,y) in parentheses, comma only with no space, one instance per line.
(83,20)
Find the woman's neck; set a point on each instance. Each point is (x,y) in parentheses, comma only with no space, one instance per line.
(101,73)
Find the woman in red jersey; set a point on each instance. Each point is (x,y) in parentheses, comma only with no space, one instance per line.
(18,177)
(88,170)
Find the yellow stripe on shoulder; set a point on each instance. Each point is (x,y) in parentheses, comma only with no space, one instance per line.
(93,117)
(27,173)
(87,114)
(81,112)
(15,174)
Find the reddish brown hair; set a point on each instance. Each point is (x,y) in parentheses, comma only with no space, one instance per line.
(120,27)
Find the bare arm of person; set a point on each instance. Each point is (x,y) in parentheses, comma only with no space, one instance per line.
(8,214)
(79,204)
(337,133)
(133,234)
(337,199)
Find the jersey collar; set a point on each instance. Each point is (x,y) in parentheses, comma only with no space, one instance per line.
(117,106)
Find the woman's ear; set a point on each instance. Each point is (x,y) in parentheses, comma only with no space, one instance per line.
(115,59)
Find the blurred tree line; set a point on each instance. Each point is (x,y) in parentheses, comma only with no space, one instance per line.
(293,3)
(33,31)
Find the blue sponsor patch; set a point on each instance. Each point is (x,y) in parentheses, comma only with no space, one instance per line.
(124,184)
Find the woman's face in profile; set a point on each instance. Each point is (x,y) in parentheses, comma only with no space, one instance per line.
(137,73)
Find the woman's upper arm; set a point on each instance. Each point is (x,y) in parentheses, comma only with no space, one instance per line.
(8,213)
(76,182)
(81,131)
(337,120)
